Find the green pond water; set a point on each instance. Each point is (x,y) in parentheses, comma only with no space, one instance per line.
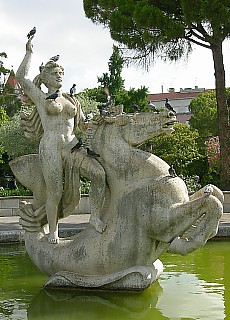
(193,287)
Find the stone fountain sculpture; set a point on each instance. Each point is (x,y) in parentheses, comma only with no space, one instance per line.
(144,211)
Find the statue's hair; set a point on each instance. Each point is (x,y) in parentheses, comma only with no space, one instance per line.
(40,78)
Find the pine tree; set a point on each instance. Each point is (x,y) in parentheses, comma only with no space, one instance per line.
(169,29)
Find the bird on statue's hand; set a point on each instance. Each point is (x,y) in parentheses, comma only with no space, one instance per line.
(31,33)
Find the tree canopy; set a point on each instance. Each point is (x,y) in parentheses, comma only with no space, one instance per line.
(180,149)
(169,29)
(113,80)
(3,70)
(204,114)
(112,83)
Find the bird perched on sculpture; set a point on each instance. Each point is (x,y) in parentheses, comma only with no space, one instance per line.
(31,33)
(55,58)
(135,108)
(89,116)
(78,145)
(92,153)
(172,172)
(41,67)
(152,107)
(53,96)
(168,105)
(72,90)
(102,110)
(208,189)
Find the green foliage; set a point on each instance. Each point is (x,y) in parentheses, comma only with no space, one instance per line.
(11,103)
(3,70)
(84,185)
(181,150)
(21,191)
(3,118)
(87,102)
(138,96)
(13,139)
(113,80)
(204,114)
(15,192)
(113,84)
(168,28)
(213,155)
(3,115)
(95,94)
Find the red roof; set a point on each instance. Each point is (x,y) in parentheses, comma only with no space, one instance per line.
(13,82)
(174,95)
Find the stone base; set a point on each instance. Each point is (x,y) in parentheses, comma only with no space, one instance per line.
(132,279)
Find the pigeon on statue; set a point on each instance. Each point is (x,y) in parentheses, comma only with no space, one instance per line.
(31,33)
(135,108)
(168,105)
(89,116)
(172,172)
(53,96)
(72,90)
(78,145)
(92,153)
(152,107)
(55,58)
(208,189)
(41,67)
(102,110)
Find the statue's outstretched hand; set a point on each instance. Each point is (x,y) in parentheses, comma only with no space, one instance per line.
(29,45)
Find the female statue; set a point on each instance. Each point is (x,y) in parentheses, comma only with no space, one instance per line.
(58,115)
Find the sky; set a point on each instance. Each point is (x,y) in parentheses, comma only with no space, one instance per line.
(85,48)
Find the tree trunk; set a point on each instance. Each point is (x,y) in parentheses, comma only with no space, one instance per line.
(222,114)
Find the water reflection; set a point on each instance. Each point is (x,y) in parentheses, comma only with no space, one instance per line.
(193,287)
(95,305)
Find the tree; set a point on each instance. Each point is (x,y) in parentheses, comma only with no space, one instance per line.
(204,115)
(13,139)
(3,70)
(169,29)
(11,103)
(137,96)
(180,149)
(3,119)
(113,80)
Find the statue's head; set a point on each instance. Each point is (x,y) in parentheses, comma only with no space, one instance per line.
(139,127)
(51,75)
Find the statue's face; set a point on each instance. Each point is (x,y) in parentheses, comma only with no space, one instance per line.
(54,78)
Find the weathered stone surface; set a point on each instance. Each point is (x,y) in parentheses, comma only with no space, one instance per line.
(132,279)
(139,209)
